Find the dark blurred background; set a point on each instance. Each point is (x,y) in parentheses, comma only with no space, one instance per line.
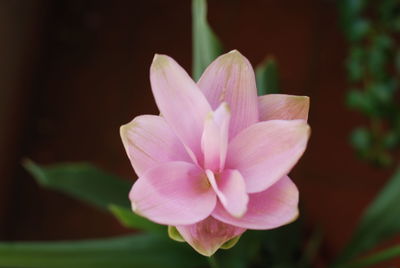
(71,72)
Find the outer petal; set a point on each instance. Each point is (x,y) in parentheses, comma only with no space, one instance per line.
(173,193)
(270,209)
(207,236)
(231,191)
(180,101)
(266,151)
(149,141)
(285,107)
(230,78)
(214,141)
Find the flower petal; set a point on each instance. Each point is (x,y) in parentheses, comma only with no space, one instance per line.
(207,236)
(274,207)
(173,193)
(231,191)
(180,101)
(267,151)
(230,78)
(148,141)
(214,142)
(285,107)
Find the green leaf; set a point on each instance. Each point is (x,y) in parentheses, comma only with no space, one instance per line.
(84,182)
(376,258)
(206,46)
(132,220)
(380,221)
(267,76)
(355,64)
(362,101)
(361,139)
(143,250)
(358,29)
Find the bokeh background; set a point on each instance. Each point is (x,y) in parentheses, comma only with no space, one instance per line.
(73,71)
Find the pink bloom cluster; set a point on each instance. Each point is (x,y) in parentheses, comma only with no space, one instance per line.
(215,162)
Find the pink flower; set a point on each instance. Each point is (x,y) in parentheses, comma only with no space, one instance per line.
(215,162)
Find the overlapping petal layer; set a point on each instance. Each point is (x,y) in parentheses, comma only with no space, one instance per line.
(148,141)
(180,101)
(266,151)
(209,235)
(274,207)
(173,193)
(284,107)
(231,191)
(214,141)
(230,78)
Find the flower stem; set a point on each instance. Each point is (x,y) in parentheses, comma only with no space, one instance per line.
(213,262)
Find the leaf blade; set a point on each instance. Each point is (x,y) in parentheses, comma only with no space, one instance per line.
(82,181)
(131,220)
(380,221)
(267,76)
(206,46)
(143,250)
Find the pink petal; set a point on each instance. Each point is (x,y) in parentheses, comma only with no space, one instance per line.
(180,101)
(267,151)
(173,193)
(269,209)
(149,141)
(207,236)
(230,78)
(285,107)
(231,191)
(214,142)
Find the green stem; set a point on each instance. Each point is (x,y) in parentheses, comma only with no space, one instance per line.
(213,262)
(381,256)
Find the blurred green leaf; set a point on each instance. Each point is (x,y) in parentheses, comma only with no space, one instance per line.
(359,100)
(378,55)
(380,221)
(355,64)
(391,140)
(267,75)
(132,220)
(206,46)
(376,258)
(358,29)
(349,10)
(142,250)
(361,139)
(397,61)
(84,182)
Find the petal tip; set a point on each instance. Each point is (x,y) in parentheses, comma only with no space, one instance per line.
(159,61)
(234,56)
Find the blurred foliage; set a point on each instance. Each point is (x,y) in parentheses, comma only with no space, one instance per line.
(267,76)
(380,221)
(84,182)
(140,250)
(206,46)
(373,67)
(132,220)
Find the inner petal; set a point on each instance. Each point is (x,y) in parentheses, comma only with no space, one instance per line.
(214,141)
(231,191)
